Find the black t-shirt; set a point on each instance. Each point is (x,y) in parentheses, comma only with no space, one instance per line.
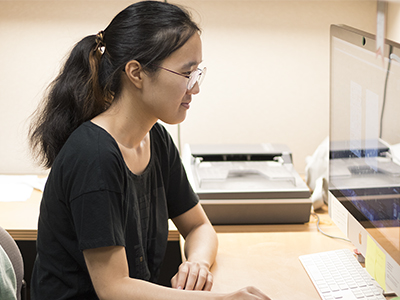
(92,200)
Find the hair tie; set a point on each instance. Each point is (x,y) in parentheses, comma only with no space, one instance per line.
(100,45)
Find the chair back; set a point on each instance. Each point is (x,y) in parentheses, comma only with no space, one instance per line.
(14,254)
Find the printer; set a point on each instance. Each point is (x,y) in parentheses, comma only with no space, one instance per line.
(247,184)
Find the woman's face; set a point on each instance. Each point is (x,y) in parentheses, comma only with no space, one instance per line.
(165,93)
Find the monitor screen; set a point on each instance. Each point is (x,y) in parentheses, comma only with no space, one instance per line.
(364,156)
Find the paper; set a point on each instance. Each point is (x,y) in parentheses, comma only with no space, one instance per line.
(375,262)
(15,188)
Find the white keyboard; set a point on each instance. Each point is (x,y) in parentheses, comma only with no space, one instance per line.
(338,275)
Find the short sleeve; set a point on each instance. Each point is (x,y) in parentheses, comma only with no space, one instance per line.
(94,180)
(180,195)
(99,219)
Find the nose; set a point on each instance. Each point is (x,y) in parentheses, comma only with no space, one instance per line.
(194,90)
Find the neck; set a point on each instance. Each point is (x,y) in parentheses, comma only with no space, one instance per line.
(126,121)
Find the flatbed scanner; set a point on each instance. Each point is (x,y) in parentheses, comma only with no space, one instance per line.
(247,184)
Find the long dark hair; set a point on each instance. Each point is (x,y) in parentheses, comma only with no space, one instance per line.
(90,79)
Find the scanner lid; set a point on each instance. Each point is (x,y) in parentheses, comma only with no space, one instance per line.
(242,149)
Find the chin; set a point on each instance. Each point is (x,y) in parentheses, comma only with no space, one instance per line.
(173,121)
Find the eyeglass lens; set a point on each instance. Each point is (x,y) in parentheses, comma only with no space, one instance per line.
(196,76)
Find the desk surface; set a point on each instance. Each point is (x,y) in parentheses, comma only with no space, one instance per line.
(20,219)
(267,257)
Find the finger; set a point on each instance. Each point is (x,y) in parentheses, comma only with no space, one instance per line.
(181,276)
(201,279)
(174,281)
(258,293)
(209,282)
(192,277)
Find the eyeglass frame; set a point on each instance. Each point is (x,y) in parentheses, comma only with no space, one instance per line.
(201,75)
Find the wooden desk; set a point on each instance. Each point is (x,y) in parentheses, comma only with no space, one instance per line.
(20,219)
(267,257)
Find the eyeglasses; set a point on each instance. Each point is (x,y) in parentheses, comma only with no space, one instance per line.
(196,76)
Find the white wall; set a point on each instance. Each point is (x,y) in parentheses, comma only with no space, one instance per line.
(268,67)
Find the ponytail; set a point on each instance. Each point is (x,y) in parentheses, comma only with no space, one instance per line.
(74,97)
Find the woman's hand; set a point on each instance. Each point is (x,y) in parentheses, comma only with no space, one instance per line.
(193,276)
(248,293)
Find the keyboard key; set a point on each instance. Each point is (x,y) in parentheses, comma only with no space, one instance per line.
(337,295)
(352,284)
(358,294)
(334,287)
(377,292)
(324,289)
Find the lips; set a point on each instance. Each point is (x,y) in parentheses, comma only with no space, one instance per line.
(186,105)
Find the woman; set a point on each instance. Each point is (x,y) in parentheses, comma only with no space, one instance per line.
(116,176)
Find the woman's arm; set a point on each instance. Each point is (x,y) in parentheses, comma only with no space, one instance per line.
(201,245)
(108,269)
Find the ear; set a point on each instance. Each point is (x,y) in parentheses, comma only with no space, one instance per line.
(134,72)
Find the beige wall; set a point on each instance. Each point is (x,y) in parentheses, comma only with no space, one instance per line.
(393,21)
(268,67)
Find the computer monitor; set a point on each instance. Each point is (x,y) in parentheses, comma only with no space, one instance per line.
(364,170)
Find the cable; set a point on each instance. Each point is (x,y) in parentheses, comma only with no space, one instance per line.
(328,235)
(384,91)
